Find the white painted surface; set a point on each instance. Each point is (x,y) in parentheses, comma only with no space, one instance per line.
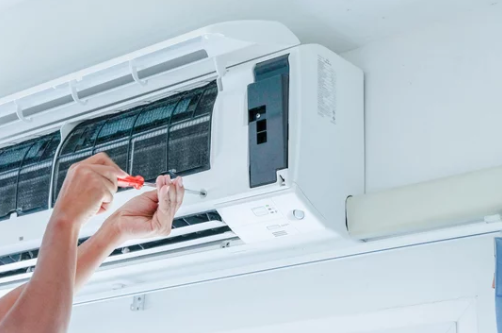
(433,101)
(46,39)
(438,317)
(7,4)
(316,293)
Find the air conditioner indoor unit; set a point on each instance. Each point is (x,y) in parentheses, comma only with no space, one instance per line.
(270,130)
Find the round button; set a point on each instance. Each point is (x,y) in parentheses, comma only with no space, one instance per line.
(299,214)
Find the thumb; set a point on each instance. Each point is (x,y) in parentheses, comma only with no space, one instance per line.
(167,206)
(163,217)
(151,195)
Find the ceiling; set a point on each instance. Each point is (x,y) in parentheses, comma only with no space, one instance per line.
(44,39)
(6,4)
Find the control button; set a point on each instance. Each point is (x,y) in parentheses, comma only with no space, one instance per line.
(299,214)
(260,211)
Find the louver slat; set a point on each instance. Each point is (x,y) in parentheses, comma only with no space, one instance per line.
(180,222)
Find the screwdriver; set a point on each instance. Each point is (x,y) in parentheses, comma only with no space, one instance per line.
(138,182)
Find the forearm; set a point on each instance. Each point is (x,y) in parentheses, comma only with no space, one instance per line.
(94,251)
(45,303)
(7,301)
(90,256)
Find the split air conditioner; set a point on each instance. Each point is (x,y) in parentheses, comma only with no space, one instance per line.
(270,129)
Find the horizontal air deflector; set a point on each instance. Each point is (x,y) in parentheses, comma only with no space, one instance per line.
(16,264)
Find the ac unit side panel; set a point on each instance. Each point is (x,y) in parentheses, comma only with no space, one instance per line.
(326,131)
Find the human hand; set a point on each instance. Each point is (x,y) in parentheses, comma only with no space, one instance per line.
(88,189)
(149,214)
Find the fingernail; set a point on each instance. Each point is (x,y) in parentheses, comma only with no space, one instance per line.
(180,182)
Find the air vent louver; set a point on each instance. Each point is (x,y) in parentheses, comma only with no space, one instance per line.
(181,222)
(25,174)
(169,135)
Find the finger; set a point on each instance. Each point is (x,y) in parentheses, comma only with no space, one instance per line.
(180,192)
(105,206)
(163,180)
(164,209)
(108,174)
(103,159)
(159,182)
(106,187)
(173,196)
(167,180)
(106,197)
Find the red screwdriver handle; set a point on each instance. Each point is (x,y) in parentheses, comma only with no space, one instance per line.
(131,181)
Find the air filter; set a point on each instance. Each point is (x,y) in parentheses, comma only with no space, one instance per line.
(25,173)
(171,135)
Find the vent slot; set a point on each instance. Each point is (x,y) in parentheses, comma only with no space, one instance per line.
(169,135)
(261,138)
(137,249)
(26,259)
(25,173)
(280,233)
(261,125)
(170,241)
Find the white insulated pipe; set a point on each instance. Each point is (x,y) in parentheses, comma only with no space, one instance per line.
(435,204)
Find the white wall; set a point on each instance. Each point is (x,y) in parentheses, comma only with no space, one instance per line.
(380,281)
(433,100)
(434,108)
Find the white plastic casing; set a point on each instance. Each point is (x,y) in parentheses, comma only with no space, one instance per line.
(326,152)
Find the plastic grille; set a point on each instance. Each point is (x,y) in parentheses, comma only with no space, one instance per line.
(180,222)
(117,127)
(8,195)
(81,138)
(117,150)
(154,116)
(169,135)
(25,173)
(149,154)
(173,240)
(189,145)
(62,167)
(206,104)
